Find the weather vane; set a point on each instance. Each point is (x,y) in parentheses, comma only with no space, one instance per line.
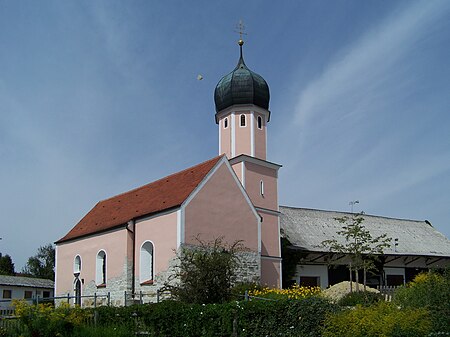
(240,30)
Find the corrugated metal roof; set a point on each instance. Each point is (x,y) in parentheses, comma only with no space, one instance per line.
(20,281)
(307,228)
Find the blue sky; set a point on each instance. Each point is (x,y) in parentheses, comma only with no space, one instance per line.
(98,97)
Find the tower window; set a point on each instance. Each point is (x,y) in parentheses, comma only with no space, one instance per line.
(243,120)
(225,123)
(259,122)
(261,187)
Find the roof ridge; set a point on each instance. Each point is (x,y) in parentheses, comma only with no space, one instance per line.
(365,214)
(166,177)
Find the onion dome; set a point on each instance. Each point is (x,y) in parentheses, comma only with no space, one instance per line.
(241,86)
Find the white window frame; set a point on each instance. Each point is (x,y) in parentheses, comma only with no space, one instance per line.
(261,187)
(77,266)
(259,118)
(146,259)
(240,121)
(100,274)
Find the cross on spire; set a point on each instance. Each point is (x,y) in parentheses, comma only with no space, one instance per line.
(240,30)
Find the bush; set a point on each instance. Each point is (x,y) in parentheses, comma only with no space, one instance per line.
(295,292)
(205,273)
(431,291)
(169,318)
(364,298)
(254,318)
(380,319)
(238,290)
(44,320)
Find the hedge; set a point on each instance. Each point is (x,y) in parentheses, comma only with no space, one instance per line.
(254,318)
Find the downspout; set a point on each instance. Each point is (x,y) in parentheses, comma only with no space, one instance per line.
(133,258)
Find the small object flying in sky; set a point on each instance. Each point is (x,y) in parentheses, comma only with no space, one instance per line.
(199,77)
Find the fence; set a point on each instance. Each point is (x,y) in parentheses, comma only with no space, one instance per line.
(387,292)
(141,297)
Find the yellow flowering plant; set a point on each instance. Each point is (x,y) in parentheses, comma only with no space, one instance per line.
(295,292)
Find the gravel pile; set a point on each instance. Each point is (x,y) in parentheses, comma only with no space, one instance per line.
(339,290)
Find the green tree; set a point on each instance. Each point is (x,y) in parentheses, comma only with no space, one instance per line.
(358,244)
(42,264)
(6,265)
(205,273)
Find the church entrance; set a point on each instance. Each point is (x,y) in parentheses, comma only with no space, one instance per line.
(77,292)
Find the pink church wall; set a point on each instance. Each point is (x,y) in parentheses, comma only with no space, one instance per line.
(253,175)
(162,232)
(270,272)
(237,168)
(220,209)
(260,137)
(114,243)
(270,243)
(243,134)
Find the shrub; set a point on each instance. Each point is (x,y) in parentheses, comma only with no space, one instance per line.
(294,293)
(238,290)
(364,298)
(102,331)
(44,320)
(380,319)
(205,273)
(431,291)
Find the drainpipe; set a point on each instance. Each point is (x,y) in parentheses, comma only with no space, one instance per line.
(132,224)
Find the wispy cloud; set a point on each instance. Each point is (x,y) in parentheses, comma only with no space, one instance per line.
(355,81)
(358,129)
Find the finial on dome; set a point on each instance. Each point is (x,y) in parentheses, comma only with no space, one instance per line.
(240,29)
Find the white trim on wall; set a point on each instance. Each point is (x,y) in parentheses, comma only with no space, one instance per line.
(180,227)
(220,136)
(56,268)
(233,134)
(243,173)
(252,133)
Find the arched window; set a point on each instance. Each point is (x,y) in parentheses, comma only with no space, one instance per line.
(100,270)
(77,292)
(259,122)
(242,120)
(225,123)
(77,265)
(261,185)
(146,262)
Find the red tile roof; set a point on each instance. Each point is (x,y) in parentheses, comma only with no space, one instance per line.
(155,197)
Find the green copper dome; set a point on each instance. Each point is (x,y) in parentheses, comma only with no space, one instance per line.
(241,86)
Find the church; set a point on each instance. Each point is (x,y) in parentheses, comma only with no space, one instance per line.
(128,243)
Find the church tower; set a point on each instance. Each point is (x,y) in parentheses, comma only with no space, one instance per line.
(242,114)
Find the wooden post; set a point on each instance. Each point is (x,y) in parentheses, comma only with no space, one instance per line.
(68,298)
(95,300)
(109,299)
